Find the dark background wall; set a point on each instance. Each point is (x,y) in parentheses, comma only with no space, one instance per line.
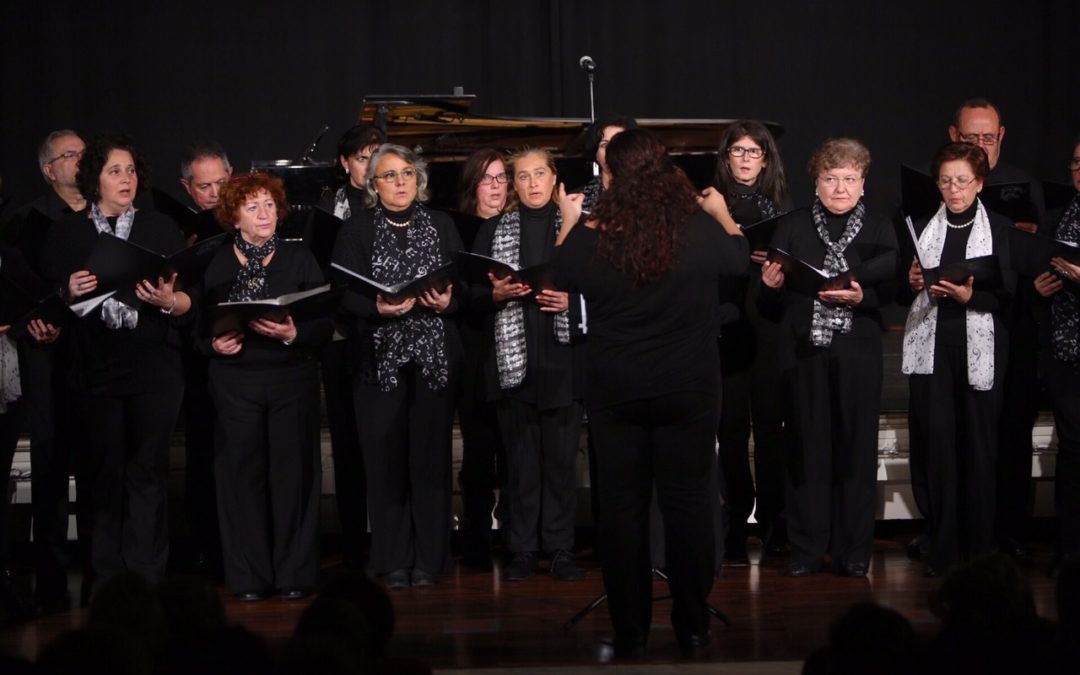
(264,77)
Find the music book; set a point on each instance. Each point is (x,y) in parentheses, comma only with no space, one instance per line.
(20,305)
(802,277)
(1030,254)
(759,234)
(119,264)
(322,233)
(474,268)
(1012,200)
(301,306)
(985,269)
(201,224)
(919,195)
(438,279)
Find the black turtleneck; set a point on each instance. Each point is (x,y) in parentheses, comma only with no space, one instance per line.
(537,233)
(743,205)
(952,317)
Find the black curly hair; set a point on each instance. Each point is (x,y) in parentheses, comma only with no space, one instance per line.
(93,160)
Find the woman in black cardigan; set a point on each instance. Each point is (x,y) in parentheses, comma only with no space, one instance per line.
(125,360)
(534,371)
(831,363)
(405,358)
(265,385)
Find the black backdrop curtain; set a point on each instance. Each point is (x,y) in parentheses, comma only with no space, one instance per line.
(263,77)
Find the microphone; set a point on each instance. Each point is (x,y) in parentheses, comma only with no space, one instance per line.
(587,64)
(305,158)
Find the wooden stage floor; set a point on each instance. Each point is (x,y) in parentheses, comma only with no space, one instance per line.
(473,619)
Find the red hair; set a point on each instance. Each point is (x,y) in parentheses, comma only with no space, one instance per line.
(643,213)
(244,186)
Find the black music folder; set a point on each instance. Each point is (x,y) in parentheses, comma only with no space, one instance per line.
(802,277)
(1030,254)
(200,224)
(322,232)
(474,268)
(985,269)
(20,305)
(1012,200)
(759,234)
(438,279)
(119,264)
(301,306)
(919,195)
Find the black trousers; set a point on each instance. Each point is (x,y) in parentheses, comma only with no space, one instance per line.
(49,419)
(483,468)
(11,422)
(200,419)
(750,383)
(541,455)
(667,441)
(126,447)
(268,470)
(1064,381)
(1019,411)
(955,429)
(834,396)
(405,437)
(350,484)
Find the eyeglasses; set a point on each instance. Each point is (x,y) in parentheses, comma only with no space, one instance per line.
(979,139)
(1074,164)
(488,179)
(392,176)
(833,181)
(752,153)
(961,182)
(70,154)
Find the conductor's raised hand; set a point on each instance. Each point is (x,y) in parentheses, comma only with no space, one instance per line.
(570,206)
(228,344)
(507,289)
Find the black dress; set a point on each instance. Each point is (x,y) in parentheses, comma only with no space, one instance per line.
(404,432)
(128,385)
(653,383)
(267,461)
(832,398)
(951,425)
(540,418)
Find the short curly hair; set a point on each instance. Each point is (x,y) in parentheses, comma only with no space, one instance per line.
(96,155)
(836,153)
(974,155)
(246,185)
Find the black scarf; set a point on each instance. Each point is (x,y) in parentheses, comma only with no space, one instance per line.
(250,282)
(1065,306)
(419,336)
(829,318)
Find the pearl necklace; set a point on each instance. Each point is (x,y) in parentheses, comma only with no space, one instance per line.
(961,226)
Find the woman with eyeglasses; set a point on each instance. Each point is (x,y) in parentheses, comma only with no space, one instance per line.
(405,362)
(955,349)
(750,175)
(1059,330)
(830,359)
(534,372)
(125,372)
(482,190)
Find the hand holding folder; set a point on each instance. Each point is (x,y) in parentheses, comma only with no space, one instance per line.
(438,279)
(236,316)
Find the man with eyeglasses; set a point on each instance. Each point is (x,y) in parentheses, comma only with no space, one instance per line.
(44,376)
(978,122)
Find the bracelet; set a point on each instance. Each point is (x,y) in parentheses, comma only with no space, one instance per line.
(288,342)
(171,307)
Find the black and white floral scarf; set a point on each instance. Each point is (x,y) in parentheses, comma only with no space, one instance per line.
(341,203)
(1065,306)
(250,282)
(510,342)
(830,318)
(418,336)
(114,313)
(765,206)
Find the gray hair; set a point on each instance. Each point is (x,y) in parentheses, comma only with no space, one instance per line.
(45,151)
(410,157)
(199,150)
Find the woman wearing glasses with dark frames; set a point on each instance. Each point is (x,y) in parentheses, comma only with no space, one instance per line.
(1059,326)
(482,189)
(955,350)
(405,361)
(750,175)
(830,358)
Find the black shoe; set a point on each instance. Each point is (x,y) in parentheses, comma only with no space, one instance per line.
(694,645)
(917,547)
(295,593)
(521,567)
(800,569)
(857,569)
(250,596)
(563,566)
(422,579)
(397,579)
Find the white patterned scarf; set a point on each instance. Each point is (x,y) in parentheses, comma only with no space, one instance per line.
(921,327)
(10,384)
(510,342)
(114,313)
(341,203)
